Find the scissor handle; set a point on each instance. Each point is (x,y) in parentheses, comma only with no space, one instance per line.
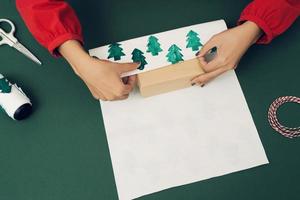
(13,28)
(9,34)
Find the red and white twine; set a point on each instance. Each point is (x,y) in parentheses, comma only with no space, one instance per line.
(275,124)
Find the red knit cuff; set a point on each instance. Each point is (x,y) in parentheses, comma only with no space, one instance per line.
(267,36)
(54,44)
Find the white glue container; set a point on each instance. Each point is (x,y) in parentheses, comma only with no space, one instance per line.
(15,103)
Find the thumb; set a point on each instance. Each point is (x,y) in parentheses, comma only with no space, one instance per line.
(127,67)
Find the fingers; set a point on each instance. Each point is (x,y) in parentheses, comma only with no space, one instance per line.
(104,79)
(206,48)
(202,60)
(222,60)
(120,89)
(126,67)
(126,89)
(123,97)
(205,78)
(212,65)
(96,94)
(111,97)
(132,81)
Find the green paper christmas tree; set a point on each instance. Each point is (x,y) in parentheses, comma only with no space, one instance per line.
(137,56)
(5,87)
(115,51)
(153,46)
(193,41)
(174,56)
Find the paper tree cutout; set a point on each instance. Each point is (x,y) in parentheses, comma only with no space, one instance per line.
(153,46)
(174,56)
(137,56)
(193,41)
(115,51)
(5,87)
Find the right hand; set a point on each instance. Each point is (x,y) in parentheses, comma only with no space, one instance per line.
(103,78)
(231,46)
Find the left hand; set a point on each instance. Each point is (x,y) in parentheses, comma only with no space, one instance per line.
(231,46)
(103,78)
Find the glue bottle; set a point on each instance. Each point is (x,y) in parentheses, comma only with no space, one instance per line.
(13,100)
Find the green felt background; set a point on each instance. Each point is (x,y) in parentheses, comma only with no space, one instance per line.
(61,152)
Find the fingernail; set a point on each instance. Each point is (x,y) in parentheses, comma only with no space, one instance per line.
(193,84)
(197,54)
(214,49)
(95,57)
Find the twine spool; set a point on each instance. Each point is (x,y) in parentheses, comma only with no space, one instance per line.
(275,124)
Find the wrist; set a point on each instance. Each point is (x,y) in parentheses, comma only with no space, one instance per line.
(74,53)
(253,30)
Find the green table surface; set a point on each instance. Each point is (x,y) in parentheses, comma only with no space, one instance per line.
(61,151)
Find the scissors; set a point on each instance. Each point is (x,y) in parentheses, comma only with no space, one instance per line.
(9,39)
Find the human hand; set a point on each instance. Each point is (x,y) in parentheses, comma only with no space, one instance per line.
(103,78)
(231,46)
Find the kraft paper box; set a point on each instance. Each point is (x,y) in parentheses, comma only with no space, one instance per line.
(169,78)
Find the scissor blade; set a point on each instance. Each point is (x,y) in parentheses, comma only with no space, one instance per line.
(26,52)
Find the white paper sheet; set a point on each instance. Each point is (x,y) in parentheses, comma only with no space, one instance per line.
(166,39)
(180,137)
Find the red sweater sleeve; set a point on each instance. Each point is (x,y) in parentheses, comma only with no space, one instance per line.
(272,16)
(52,22)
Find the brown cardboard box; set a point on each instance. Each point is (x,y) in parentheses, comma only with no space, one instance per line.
(169,78)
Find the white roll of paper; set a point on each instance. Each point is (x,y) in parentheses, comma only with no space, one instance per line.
(13,99)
